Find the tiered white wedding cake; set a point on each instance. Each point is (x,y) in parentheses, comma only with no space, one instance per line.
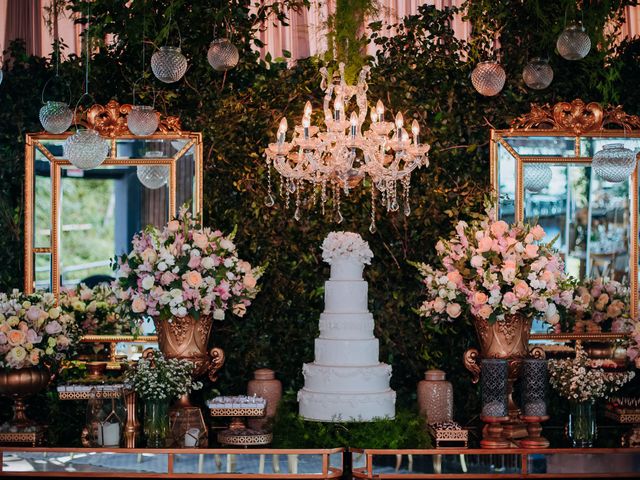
(346,382)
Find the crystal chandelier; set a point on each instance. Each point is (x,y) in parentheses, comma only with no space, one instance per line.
(328,163)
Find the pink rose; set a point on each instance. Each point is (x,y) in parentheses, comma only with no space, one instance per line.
(485,311)
(194,262)
(250,281)
(439,305)
(454,277)
(239,309)
(33,313)
(531,251)
(201,241)
(540,304)
(509,299)
(477,261)
(480,298)
(521,289)
(173,226)
(454,310)
(138,305)
(167,278)
(485,244)
(33,337)
(499,228)
(538,232)
(193,278)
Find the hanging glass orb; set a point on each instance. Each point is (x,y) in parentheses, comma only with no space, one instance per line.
(537,74)
(56,117)
(537,176)
(573,43)
(488,78)
(614,163)
(153,176)
(86,149)
(223,55)
(142,120)
(168,64)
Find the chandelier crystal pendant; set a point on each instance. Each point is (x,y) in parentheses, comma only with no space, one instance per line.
(614,163)
(330,162)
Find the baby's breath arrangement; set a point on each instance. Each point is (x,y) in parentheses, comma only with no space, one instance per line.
(157,378)
(580,380)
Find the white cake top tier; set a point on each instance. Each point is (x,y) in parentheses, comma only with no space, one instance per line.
(347,253)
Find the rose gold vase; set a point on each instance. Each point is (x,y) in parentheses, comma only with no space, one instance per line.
(19,384)
(186,338)
(265,385)
(506,340)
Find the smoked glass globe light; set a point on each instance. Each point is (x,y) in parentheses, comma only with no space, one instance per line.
(537,74)
(537,176)
(56,117)
(153,176)
(223,55)
(488,78)
(573,43)
(142,120)
(86,149)
(614,163)
(168,64)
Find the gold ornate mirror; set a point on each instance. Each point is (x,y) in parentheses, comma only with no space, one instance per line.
(541,168)
(77,220)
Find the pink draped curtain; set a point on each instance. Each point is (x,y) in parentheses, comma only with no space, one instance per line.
(303,37)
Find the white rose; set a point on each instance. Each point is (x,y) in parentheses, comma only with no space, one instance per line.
(162,266)
(228,262)
(218,314)
(207,263)
(182,311)
(147,282)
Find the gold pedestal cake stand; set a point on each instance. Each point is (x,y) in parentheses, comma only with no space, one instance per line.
(238,434)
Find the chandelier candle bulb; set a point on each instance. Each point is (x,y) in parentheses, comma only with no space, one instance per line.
(337,108)
(380,110)
(415,130)
(282,130)
(399,124)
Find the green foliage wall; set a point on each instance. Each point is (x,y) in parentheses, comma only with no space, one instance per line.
(422,71)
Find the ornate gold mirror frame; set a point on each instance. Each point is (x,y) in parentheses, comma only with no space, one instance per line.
(111,122)
(575,120)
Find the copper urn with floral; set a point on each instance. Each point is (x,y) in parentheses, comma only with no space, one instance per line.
(185,277)
(20,384)
(498,277)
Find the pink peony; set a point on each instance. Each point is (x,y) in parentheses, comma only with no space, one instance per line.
(485,244)
(138,305)
(454,277)
(531,251)
(477,261)
(538,232)
(173,226)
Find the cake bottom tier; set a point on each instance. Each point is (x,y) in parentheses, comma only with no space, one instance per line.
(336,407)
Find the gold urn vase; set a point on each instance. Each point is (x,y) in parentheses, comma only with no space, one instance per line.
(186,338)
(19,384)
(505,340)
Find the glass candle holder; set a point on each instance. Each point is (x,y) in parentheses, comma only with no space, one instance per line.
(493,376)
(534,385)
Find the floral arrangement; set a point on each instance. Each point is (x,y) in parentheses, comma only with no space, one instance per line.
(95,310)
(156,378)
(490,269)
(581,380)
(600,305)
(34,332)
(346,244)
(184,269)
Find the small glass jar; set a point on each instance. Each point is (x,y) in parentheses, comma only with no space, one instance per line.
(435,397)
(493,375)
(534,382)
(582,424)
